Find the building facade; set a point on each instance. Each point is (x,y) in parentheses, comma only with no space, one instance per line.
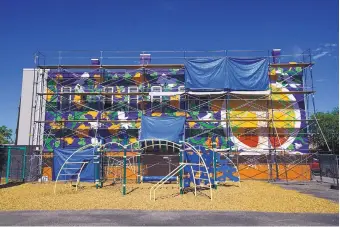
(76,105)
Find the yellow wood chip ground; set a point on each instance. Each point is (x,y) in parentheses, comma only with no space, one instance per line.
(251,196)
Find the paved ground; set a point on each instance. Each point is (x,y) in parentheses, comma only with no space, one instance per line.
(318,189)
(324,179)
(184,218)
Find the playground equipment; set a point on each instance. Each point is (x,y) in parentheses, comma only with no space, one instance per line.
(74,165)
(192,169)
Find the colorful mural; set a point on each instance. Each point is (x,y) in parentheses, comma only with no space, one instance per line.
(93,100)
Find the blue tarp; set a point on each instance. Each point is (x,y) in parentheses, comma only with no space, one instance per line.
(227,74)
(162,128)
(248,74)
(60,156)
(206,74)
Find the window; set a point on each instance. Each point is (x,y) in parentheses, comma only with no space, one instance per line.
(108,99)
(156,89)
(156,100)
(133,99)
(181,101)
(66,100)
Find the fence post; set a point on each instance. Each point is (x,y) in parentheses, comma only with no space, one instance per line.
(96,167)
(214,164)
(8,167)
(181,171)
(138,174)
(124,172)
(24,165)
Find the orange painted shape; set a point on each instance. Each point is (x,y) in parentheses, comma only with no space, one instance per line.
(261,172)
(47,171)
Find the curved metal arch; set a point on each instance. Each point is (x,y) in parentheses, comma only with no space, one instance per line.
(205,165)
(77,151)
(119,144)
(181,166)
(168,143)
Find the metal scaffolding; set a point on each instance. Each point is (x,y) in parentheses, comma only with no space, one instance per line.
(252,126)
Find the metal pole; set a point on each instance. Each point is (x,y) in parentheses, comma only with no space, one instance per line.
(124,172)
(24,165)
(181,173)
(276,165)
(138,174)
(214,163)
(96,167)
(214,157)
(8,167)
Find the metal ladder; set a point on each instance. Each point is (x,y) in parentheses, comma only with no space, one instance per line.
(198,180)
(165,179)
(77,173)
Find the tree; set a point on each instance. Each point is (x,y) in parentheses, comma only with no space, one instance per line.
(5,135)
(329,124)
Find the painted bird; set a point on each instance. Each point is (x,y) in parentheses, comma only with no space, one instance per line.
(121,115)
(79,89)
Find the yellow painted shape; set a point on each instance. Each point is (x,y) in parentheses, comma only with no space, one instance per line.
(273,72)
(94,114)
(174,98)
(77,98)
(114,126)
(132,140)
(83,126)
(156,114)
(68,140)
(55,125)
(246,115)
(137,75)
(118,90)
(105,115)
(180,114)
(59,77)
(280,110)
(192,124)
(49,97)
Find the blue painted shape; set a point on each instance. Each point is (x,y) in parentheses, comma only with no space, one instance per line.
(227,169)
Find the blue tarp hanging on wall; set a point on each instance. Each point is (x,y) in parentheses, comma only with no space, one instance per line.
(227,74)
(60,156)
(163,128)
(205,74)
(247,74)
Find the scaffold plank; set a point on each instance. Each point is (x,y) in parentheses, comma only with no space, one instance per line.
(94,93)
(137,120)
(151,66)
(148,93)
(292,92)
(291,64)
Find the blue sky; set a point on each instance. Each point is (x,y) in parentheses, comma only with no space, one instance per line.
(293,26)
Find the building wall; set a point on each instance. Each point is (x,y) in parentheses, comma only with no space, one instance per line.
(30,111)
(246,130)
